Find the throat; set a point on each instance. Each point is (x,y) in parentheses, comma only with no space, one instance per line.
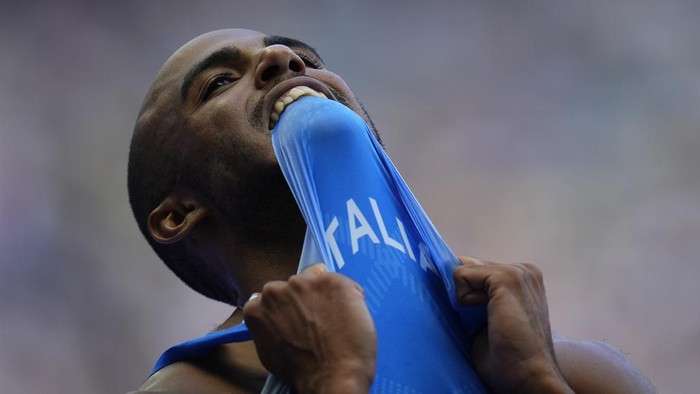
(238,362)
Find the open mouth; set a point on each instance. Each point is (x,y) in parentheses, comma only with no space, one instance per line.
(289,97)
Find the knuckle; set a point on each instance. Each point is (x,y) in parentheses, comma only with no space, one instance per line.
(340,280)
(533,270)
(296,282)
(336,278)
(306,283)
(316,269)
(338,283)
(460,273)
(511,270)
(521,275)
(471,261)
(512,274)
(274,289)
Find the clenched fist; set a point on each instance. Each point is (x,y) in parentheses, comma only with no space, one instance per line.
(314,332)
(514,353)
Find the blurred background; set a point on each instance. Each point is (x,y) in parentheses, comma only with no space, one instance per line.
(563,133)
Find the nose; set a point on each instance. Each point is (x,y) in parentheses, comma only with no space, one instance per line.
(276,61)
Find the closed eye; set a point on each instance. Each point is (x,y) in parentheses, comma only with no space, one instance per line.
(309,61)
(217,83)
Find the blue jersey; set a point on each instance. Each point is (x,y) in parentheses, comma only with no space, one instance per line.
(364,222)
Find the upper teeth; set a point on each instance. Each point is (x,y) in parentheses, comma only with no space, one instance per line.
(288,98)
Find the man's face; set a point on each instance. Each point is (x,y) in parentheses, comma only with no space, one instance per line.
(230,81)
(225,90)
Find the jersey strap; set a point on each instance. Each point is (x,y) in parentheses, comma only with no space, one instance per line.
(201,346)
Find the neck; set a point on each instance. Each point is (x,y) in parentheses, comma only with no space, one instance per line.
(253,263)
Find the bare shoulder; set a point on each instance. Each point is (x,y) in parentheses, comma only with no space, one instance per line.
(596,367)
(231,369)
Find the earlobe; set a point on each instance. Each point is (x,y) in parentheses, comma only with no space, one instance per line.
(175,218)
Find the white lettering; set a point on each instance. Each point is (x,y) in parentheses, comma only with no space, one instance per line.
(357,232)
(382,228)
(330,238)
(359,227)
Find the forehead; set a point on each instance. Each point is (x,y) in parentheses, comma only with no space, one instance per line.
(165,87)
(186,61)
(200,47)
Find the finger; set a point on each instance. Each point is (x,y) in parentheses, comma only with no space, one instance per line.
(320,269)
(315,269)
(275,295)
(468,295)
(470,261)
(470,282)
(252,304)
(480,352)
(252,297)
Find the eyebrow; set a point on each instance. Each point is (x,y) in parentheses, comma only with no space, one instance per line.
(222,56)
(232,54)
(292,43)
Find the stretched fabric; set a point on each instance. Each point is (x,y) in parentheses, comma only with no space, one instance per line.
(201,346)
(364,222)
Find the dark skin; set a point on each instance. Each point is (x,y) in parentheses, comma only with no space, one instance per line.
(231,100)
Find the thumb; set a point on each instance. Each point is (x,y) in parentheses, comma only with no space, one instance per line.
(470,261)
(315,269)
(470,281)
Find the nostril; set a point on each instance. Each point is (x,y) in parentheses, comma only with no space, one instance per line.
(269,72)
(295,66)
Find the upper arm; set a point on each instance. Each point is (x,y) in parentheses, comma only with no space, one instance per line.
(596,367)
(197,376)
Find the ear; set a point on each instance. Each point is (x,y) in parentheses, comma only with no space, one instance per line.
(175,218)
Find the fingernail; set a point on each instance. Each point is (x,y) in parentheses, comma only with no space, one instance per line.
(254,296)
